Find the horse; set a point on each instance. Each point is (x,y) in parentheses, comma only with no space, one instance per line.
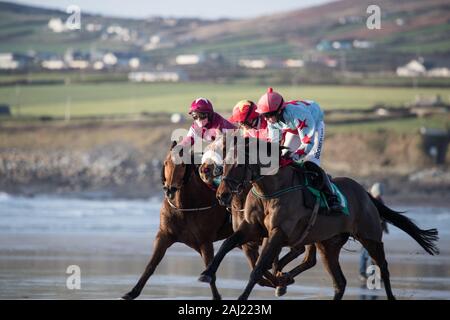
(209,170)
(287,221)
(189,214)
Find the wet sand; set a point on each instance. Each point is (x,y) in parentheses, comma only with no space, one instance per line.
(33,266)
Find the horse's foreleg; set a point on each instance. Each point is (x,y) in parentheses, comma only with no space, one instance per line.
(161,243)
(270,250)
(243,235)
(329,250)
(309,261)
(207,252)
(251,252)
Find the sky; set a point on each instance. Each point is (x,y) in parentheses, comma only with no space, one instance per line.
(206,9)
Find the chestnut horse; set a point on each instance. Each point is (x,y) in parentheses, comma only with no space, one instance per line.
(189,214)
(286,221)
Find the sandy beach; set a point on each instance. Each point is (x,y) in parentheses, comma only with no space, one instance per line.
(113,248)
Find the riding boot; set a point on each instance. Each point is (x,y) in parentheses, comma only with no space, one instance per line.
(332,199)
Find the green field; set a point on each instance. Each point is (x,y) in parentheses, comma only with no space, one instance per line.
(120,98)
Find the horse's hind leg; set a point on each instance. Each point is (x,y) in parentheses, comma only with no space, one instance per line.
(161,244)
(270,250)
(329,250)
(207,252)
(376,252)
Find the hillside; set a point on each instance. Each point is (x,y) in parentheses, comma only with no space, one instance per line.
(409,28)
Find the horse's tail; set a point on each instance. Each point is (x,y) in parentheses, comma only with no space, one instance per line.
(425,238)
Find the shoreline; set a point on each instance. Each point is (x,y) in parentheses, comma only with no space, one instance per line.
(397,191)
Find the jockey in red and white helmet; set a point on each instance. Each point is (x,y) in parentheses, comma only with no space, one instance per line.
(207,123)
(299,126)
(245,116)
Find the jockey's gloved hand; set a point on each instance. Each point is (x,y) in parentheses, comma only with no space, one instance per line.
(295,156)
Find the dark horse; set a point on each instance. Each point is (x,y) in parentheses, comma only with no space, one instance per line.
(287,221)
(212,160)
(189,214)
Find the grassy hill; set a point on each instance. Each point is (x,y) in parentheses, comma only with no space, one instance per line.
(409,28)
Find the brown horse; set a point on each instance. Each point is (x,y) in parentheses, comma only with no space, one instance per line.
(189,214)
(210,170)
(286,221)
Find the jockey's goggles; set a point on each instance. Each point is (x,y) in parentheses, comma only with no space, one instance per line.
(200,116)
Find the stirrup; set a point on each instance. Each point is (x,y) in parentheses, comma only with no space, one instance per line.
(334,204)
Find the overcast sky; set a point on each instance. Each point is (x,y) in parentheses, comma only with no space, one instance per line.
(178,8)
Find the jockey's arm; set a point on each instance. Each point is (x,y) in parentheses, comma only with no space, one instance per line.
(189,139)
(306,127)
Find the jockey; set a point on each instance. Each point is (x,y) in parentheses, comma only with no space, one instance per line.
(207,123)
(246,117)
(299,126)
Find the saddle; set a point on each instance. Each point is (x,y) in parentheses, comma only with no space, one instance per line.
(312,192)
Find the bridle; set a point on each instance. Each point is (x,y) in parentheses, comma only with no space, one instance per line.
(186,179)
(236,186)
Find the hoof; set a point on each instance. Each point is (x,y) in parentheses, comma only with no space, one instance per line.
(129,296)
(280,291)
(205,278)
(243,297)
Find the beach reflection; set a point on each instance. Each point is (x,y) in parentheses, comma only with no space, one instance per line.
(39,239)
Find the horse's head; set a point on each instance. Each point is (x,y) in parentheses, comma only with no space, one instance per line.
(212,163)
(236,175)
(173,175)
(243,166)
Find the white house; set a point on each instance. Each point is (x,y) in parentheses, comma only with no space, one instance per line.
(110,59)
(439,72)
(253,63)
(57,25)
(294,63)
(188,59)
(53,64)
(155,76)
(413,69)
(7,61)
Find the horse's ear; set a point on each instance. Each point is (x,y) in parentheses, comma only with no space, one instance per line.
(163,176)
(174,143)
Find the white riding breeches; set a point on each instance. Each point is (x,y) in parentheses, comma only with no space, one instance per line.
(293,142)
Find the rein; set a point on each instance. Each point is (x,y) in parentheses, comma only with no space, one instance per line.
(186,178)
(191,209)
(276,194)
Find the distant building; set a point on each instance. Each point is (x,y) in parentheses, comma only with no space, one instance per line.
(253,63)
(110,59)
(418,67)
(413,68)
(14,61)
(294,63)
(77,60)
(93,27)
(188,59)
(156,76)
(57,25)
(443,72)
(53,64)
